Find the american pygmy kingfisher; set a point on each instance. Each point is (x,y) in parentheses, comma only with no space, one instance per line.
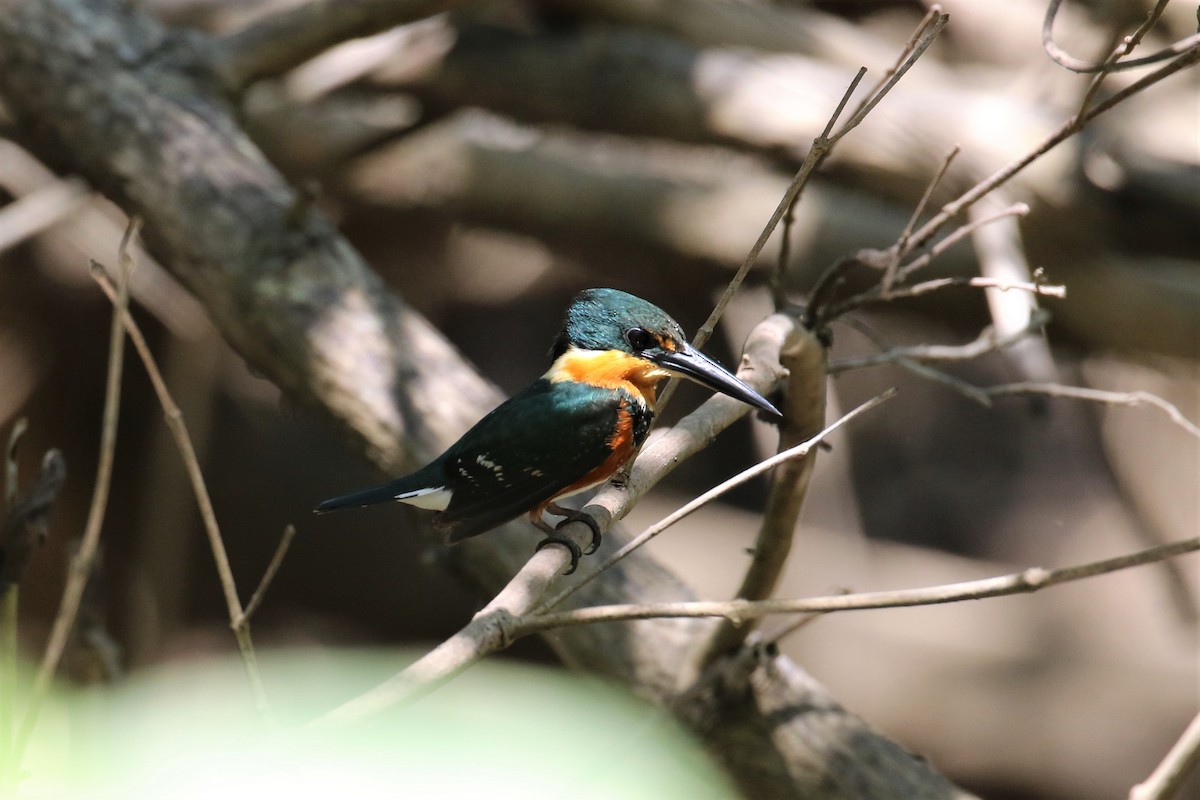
(569,431)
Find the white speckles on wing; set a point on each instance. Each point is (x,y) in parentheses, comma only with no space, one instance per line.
(433,497)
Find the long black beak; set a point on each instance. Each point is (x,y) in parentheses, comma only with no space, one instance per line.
(691,363)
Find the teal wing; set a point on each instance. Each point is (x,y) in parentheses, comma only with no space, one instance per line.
(527,451)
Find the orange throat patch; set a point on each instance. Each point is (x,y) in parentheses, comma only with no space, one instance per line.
(609,369)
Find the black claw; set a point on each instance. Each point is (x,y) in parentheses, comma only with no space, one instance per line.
(586,519)
(567,543)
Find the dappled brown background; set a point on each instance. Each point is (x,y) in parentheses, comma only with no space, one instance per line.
(489,165)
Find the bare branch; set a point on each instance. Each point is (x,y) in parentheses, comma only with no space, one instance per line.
(901,246)
(31,214)
(1137,398)
(805,358)
(276,562)
(81,565)
(815,155)
(987,341)
(1113,63)
(289,38)
(1167,778)
(960,233)
(1064,132)
(926,32)
(739,611)
(187,452)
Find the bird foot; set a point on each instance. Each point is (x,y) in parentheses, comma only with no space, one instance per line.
(566,542)
(571,515)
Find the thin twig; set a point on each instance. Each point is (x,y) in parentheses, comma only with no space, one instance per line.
(704,499)
(1045,289)
(817,314)
(1167,778)
(926,32)
(901,246)
(958,234)
(1136,398)
(1113,64)
(817,152)
(281,550)
(887,260)
(987,341)
(187,452)
(923,370)
(924,35)
(81,565)
(1064,132)
(1029,580)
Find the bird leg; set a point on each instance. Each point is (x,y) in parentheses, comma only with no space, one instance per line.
(554,537)
(577,516)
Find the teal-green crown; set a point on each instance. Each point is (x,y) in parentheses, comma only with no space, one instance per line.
(601,319)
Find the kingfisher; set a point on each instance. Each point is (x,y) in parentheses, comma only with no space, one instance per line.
(572,429)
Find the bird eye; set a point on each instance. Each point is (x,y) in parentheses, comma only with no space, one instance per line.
(639,338)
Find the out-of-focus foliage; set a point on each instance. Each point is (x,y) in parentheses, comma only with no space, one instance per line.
(499,732)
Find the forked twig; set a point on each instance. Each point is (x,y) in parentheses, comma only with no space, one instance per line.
(81,565)
(923,36)
(1113,63)
(183,442)
(264,583)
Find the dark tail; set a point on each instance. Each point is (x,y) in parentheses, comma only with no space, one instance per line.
(366,497)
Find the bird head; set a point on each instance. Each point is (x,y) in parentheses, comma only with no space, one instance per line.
(612,333)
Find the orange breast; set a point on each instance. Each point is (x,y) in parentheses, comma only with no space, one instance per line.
(609,369)
(621,445)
